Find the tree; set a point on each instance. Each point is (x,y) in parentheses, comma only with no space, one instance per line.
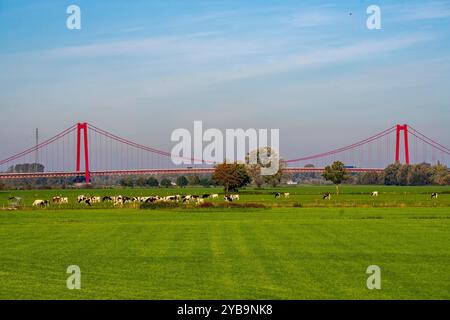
(336,173)
(182,181)
(371,178)
(194,180)
(420,175)
(254,164)
(254,171)
(403,174)
(254,167)
(127,182)
(166,183)
(390,174)
(231,176)
(205,182)
(440,174)
(275,179)
(141,182)
(152,182)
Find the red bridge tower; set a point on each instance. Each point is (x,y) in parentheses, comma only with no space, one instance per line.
(403,128)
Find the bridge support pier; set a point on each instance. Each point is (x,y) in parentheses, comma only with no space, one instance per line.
(403,128)
(83,127)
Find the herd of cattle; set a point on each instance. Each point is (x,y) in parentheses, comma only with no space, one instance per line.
(196,199)
(121,200)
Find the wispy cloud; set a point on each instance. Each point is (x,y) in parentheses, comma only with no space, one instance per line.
(315,18)
(424,11)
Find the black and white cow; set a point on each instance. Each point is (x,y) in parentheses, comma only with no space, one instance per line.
(107,198)
(60,200)
(327,196)
(434,195)
(41,203)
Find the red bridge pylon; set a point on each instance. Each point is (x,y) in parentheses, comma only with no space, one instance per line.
(83,127)
(403,128)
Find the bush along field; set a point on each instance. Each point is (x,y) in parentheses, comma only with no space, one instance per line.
(257,247)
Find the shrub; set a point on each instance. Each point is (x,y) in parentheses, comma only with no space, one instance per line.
(159,205)
(206,205)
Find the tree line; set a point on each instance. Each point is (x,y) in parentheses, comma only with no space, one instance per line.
(397,174)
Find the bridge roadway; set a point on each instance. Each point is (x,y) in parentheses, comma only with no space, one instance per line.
(157,171)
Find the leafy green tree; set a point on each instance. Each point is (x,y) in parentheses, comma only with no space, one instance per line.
(440,174)
(370,178)
(403,175)
(182,181)
(152,182)
(231,176)
(336,173)
(420,175)
(275,180)
(390,174)
(205,182)
(194,180)
(254,164)
(166,183)
(127,182)
(254,171)
(141,182)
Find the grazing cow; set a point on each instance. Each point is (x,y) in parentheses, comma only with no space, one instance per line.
(235,197)
(116,198)
(41,203)
(15,199)
(107,198)
(278,195)
(56,200)
(434,195)
(127,199)
(170,199)
(327,196)
(60,200)
(206,196)
(81,198)
(214,196)
(95,199)
(375,194)
(200,201)
(151,199)
(228,198)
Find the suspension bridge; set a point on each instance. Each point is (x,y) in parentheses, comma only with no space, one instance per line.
(84,150)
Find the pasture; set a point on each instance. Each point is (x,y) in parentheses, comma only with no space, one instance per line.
(296,248)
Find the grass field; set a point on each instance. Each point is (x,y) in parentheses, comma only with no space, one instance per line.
(296,248)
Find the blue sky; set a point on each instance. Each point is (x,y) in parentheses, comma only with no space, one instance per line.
(144,68)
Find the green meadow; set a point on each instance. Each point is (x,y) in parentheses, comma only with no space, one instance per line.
(301,247)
